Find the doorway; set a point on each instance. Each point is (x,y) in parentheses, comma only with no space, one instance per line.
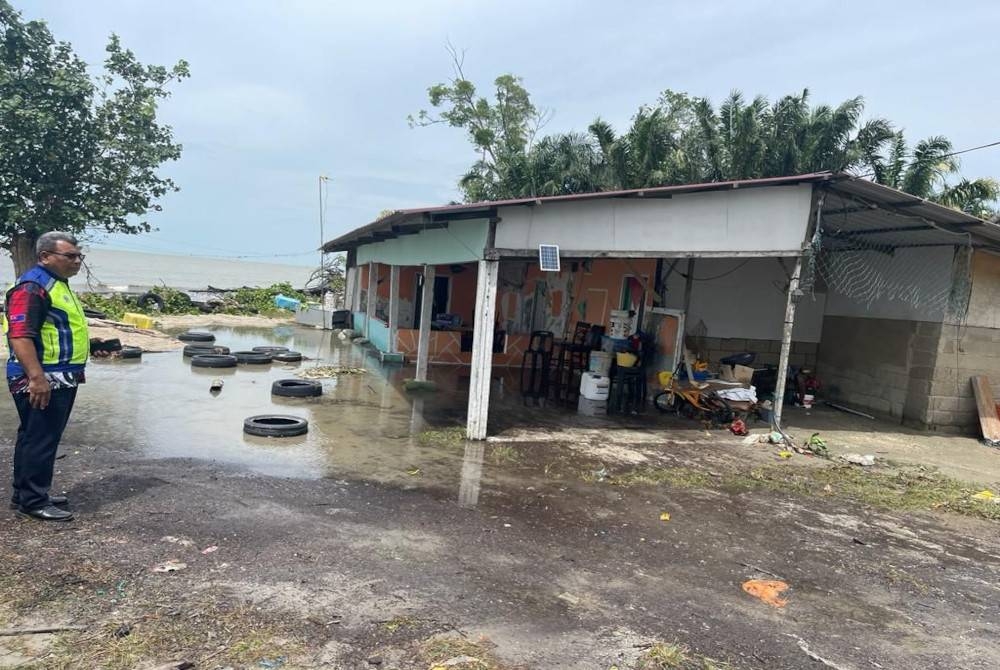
(442,291)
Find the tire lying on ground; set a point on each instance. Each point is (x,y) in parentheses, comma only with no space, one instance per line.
(91,313)
(150,299)
(196,336)
(270,350)
(196,349)
(297,388)
(252,357)
(131,352)
(213,361)
(275,425)
(287,356)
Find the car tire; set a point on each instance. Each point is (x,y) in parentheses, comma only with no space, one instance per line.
(297,388)
(287,356)
(213,361)
(198,349)
(275,425)
(131,352)
(252,357)
(147,299)
(269,350)
(91,313)
(196,336)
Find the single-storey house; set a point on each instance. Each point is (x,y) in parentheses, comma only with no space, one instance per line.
(894,301)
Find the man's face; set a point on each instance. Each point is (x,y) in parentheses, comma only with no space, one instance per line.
(65,260)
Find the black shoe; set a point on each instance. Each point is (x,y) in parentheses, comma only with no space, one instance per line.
(53,500)
(47,513)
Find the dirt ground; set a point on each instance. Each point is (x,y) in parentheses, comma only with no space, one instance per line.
(577,546)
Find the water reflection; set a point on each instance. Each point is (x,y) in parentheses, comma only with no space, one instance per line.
(472,474)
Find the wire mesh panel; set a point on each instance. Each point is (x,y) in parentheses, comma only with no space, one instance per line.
(924,268)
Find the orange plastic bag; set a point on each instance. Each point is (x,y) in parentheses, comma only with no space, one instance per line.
(768,590)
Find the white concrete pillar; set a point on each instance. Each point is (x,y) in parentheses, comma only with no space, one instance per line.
(424,343)
(482,350)
(786,340)
(372,290)
(350,288)
(393,306)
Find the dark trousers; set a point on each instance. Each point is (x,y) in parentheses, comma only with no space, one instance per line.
(37,442)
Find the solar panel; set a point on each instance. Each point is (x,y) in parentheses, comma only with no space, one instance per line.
(548,257)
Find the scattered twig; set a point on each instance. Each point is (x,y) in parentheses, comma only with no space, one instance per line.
(760,569)
(8,632)
(804,646)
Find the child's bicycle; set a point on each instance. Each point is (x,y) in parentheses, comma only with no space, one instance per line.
(690,402)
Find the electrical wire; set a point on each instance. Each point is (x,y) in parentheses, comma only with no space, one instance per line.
(938,158)
(719,276)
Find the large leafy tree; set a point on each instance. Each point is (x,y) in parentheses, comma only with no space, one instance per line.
(501,130)
(77,152)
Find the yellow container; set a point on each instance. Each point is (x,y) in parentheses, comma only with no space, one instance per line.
(626,359)
(138,320)
(664,378)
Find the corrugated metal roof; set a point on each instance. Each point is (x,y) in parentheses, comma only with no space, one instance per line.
(886,215)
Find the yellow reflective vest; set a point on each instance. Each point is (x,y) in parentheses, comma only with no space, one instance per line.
(63,344)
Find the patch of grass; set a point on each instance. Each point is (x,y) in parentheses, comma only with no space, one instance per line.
(453,436)
(395,623)
(502,454)
(905,489)
(244,637)
(678,477)
(476,655)
(896,576)
(661,656)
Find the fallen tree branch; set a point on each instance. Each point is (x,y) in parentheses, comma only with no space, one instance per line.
(8,632)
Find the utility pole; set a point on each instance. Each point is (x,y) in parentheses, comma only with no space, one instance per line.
(323,180)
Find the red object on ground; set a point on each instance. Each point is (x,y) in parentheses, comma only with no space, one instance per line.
(738,427)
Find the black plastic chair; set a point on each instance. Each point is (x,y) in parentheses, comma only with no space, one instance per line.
(535,365)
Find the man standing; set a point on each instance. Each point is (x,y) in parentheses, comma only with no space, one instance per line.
(49,346)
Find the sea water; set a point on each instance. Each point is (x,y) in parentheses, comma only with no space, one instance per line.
(114,267)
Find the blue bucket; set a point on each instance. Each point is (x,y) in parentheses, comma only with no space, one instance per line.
(284,302)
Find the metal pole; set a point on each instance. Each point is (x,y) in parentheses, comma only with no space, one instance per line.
(322,255)
(790,302)
(786,340)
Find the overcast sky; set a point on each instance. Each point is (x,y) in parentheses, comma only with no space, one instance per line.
(284,91)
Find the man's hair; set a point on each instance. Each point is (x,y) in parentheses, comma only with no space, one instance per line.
(47,241)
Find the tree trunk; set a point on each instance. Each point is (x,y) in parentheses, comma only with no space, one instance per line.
(22,252)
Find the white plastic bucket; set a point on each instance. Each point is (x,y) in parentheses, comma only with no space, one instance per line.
(620,323)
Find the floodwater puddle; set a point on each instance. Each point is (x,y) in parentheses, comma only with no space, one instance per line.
(363,427)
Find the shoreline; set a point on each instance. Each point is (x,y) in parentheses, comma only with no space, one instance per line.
(159,339)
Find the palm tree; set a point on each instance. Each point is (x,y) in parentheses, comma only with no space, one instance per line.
(925,172)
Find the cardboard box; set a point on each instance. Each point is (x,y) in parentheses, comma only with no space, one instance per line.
(737,373)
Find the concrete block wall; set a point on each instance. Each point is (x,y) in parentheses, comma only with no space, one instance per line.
(881,365)
(803,353)
(961,353)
